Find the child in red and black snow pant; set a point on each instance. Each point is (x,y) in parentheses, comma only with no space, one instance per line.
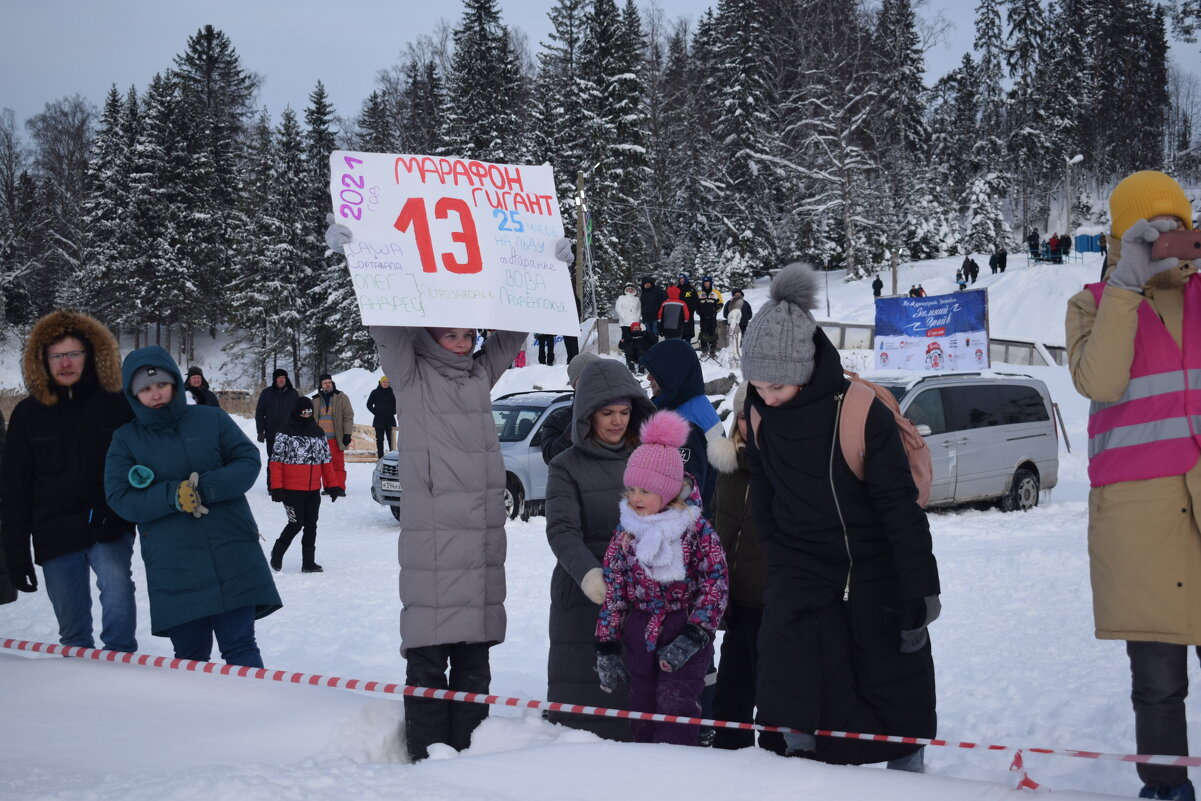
(665,587)
(300,463)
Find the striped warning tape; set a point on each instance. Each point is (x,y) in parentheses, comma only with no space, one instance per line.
(316,680)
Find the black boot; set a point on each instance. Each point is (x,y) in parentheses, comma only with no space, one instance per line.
(277,556)
(312,567)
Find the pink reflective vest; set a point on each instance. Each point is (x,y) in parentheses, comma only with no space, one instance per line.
(1154,429)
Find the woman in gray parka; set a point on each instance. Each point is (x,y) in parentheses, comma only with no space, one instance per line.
(582,495)
(452,520)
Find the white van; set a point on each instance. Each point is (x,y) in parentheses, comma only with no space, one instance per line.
(992,436)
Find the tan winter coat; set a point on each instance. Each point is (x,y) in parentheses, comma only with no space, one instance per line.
(452,510)
(1144,537)
(343,414)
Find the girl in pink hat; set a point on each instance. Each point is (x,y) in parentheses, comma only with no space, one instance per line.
(666,587)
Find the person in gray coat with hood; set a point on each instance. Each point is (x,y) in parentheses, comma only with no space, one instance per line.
(582,495)
(452,520)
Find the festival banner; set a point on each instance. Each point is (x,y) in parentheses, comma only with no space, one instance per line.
(447,242)
(938,332)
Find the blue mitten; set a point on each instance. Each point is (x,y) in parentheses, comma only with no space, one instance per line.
(336,235)
(140,476)
(1135,265)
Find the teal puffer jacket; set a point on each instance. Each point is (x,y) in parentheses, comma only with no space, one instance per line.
(195,567)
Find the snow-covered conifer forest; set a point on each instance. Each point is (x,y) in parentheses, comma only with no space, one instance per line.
(756,133)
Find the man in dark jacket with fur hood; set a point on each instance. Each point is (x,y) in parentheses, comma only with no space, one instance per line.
(52,480)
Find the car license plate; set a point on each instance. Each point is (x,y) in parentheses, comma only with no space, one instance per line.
(389,486)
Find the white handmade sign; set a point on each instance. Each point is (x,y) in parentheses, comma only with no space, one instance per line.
(447,242)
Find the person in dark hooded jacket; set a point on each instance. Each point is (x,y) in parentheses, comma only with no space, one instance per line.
(584,485)
(674,315)
(652,298)
(382,405)
(300,465)
(182,473)
(197,387)
(688,295)
(8,593)
(677,383)
(274,406)
(852,582)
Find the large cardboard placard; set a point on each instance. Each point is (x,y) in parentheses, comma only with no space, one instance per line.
(939,332)
(446,242)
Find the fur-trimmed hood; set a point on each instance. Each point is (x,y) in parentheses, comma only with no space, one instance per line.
(104,355)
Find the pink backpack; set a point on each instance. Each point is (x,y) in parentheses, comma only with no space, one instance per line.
(852,419)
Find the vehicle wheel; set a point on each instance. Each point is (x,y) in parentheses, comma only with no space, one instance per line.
(395,511)
(1023,493)
(514,498)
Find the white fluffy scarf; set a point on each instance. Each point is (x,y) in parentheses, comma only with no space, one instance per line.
(658,539)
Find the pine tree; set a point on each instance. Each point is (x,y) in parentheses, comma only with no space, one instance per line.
(1029,141)
(288,263)
(374,132)
(483,118)
(744,135)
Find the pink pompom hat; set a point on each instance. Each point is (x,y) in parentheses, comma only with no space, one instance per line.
(656,465)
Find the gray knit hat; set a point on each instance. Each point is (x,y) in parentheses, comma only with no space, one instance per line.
(577,366)
(778,344)
(146,376)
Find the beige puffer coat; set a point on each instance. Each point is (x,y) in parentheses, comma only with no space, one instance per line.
(452,511)
(1144,537)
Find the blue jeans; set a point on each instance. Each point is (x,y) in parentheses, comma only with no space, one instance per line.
(235,636)
(70,589)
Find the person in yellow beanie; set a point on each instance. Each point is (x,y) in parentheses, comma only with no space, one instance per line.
(1126,353)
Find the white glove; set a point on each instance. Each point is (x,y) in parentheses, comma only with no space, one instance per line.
(593,585)
(563,250)
(1135,265)
(336,236)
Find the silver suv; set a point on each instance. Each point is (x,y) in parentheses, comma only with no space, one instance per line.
(992,436)
(519,419)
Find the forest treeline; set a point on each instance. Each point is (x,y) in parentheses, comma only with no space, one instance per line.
(762,132)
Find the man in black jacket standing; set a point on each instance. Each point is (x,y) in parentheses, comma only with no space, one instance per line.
(275,404)
(382,405)
(52,481)
(197,387)
(652,298)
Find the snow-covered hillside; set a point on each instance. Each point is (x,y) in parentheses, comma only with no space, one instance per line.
(1016,660)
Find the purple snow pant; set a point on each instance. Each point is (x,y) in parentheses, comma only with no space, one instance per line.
(652,690)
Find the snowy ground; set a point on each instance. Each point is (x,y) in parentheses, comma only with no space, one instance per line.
(1017,663)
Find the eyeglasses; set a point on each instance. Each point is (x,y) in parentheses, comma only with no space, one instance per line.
(73,355)
(306,412)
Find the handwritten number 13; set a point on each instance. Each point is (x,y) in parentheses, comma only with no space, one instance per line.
(414,214)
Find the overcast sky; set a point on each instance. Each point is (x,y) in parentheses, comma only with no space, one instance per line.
(51,49)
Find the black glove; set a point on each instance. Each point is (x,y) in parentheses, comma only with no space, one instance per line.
(611,670)
(277,495)
(335,493)
(262,436)
(109,527)
(346,440)
(913,617)
(21,573)
(677,652)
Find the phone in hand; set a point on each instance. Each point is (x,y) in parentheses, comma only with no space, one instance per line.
(1179,244)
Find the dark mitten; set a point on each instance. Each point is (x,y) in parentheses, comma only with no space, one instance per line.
(611,670)
(913,617)
(277,495)
(346,440)
(262,436)
(21,573)
(677,652)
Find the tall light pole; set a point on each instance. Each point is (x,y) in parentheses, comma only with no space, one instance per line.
(1076,159)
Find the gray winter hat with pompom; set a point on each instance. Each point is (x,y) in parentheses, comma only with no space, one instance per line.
(778,344)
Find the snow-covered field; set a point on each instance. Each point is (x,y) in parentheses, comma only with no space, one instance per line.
(1017,663)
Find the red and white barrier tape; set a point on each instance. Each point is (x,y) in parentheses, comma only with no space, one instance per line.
(316,680)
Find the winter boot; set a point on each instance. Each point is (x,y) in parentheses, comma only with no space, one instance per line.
(1170,792)
(277,556)
(913,763)
(312,567)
